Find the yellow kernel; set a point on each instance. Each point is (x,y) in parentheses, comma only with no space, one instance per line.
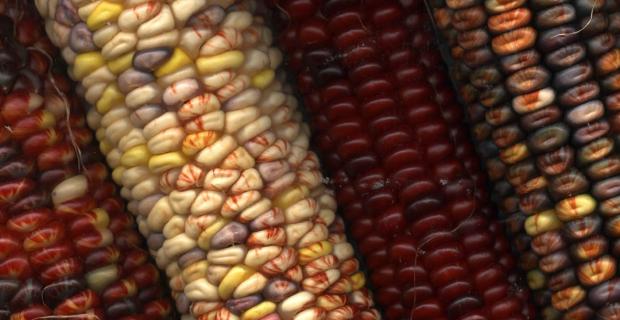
(196,142)
(542,222)
(47,120)
(163,162)
(232,279)
(102,219)
(227,60)
(104,13)
(117,174)
(514,154)
(87,63)
(358,280)
(105,146)
(258,311)
(314,251)
(263,79)
(535,279)
(195,271)
(99,279)
(204,240)
(178,60)
(575,207)
(136,156)
(290,196)
(121,63)
(111,97)
(100,135)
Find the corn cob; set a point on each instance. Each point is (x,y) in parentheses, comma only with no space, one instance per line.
(503,193)
(422,31)
(488,116)
(418,22)
(335,49)
(566,182)
(67,247)
(210,151)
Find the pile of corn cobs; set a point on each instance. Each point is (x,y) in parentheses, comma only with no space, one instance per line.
(194,115)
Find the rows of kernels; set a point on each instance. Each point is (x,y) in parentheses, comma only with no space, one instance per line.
(421,29)
(361,184)
(593,151)
(490,93)
(603,46)
(566,181)
(71,247)
(463,148)
(334,61)
(214,159)
(503,193)
(487,89)
(597,154)
(606,68)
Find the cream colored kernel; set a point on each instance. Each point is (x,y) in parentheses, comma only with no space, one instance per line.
(145,188)
(133,16)
(161,23)
(105,34)
(181,201)
(167,39)
(239,118)
(150,93)
(213,155)
(121,44)
(184,9)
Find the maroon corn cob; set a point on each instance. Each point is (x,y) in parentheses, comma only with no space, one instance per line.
(486,116)
(410,176)
(421,30)
(503,192)
(67,247)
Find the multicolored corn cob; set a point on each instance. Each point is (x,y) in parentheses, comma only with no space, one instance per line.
(404,189)
(68,250)
(211,153)
(557,150)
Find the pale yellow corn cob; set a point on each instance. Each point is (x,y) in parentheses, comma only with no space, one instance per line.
(211,153)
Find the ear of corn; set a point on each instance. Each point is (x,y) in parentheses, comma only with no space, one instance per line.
(492,120)
(67,247)
(388,145)
(210,152)
(558,149)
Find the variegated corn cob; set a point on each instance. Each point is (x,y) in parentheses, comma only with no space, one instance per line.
(583,282)
(209,149)
(393,162)
(67,247)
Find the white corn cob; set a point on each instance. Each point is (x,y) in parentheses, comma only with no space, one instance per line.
(210,151)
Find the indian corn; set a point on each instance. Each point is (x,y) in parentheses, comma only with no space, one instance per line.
(531,62)
(402,186)
(208,146)
(67,247)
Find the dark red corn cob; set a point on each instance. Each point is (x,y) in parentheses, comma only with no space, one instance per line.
(483,119)
(67,247)
(422,39)
(401,184)
(537,82)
